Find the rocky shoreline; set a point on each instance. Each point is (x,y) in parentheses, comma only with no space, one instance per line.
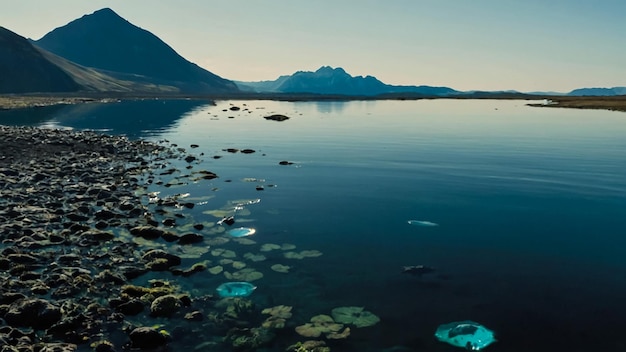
(64,272)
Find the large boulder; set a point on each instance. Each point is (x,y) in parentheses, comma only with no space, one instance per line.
(35,313)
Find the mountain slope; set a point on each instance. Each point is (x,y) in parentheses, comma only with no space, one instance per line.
(106,41)
(93,80)
(23,69)
(328,80)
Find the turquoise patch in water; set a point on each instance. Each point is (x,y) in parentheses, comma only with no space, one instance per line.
(241,232)
(422,223)
(465,334)
(235,289)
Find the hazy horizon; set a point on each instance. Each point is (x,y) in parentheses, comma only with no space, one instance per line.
(483,45)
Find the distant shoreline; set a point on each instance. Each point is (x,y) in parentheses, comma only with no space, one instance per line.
(9,102)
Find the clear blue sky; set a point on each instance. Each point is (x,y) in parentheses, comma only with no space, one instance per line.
(526,45)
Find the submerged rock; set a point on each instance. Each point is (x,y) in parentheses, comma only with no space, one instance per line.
(417,270)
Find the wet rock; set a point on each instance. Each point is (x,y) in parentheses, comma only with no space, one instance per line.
(159,260)
(132,307)
(105,215)
(190,238)
(276,117)
(146,338)
(285,162)
(59,347)
(19,258)
(165,306)
(147,232)
(76,217)
(10,297)
(169,222)
(96,235)
(103,346)
(170,237)
(35,313)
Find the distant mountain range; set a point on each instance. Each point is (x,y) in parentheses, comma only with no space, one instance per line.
(598,91)
(102,52)
(336,81)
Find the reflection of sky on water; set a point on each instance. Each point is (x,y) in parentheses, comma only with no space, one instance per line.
(133,118)
(327,107)
(529,204)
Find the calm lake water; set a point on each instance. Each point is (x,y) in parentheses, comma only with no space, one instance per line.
(530,205)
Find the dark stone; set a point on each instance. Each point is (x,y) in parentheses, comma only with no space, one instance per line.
(35,313)
(126,206)
(132,272)
(228,220)
(21,258)
(190,238)
(101,225)
(146,338)
(5,264)
(285,162)
(132,307)
(104,215)
(276,117)
(169,236)
(96,235)
(156,254)
(248,151)
(147,232)
(165,306)
(76,217)
(169,222)
(10,297)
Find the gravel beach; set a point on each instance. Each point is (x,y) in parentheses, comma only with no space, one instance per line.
(64,273)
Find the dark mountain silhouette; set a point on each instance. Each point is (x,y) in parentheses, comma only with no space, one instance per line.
(598,91)
(328,80)
(105,41)
(23,69)
(93,80)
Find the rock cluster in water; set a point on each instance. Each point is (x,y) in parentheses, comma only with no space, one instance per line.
(65,272)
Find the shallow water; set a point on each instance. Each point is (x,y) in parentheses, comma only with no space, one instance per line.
(529,203)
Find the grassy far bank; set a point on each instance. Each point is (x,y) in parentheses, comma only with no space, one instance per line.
(615,103)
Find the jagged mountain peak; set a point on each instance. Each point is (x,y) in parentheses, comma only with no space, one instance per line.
(336,81)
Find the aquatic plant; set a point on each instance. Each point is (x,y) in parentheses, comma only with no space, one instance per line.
(354,315)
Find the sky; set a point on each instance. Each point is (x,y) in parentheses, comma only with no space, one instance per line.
(523,45)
